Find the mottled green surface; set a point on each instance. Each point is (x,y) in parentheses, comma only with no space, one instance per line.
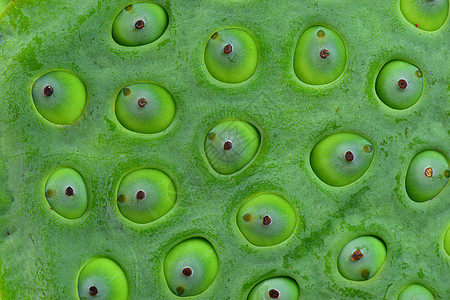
(41,253)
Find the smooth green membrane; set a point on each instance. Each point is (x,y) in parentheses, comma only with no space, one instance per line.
(266,220)
(191,267)
(341,158)
(102,278)
(230,145)
(320,56)
(283,288)
(361,258)
(416,292)
(231,55)
(139,24)
(427,175)
(66,193)
(399,84)
(428,15)
(145,108)
(146,195)
(60,97)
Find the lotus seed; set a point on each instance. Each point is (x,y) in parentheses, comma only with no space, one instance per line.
(93,290)
(227,49)
(187,272)
(48,90)
(228,145)
(142,102)
(402,84)
(139,24)
(69,191)
(356,255)
(140,195)
(349,156)
(274,294)
(267,220)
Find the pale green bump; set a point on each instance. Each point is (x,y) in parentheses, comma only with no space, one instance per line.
(146,195)
(361,258)
(60,97)
(231,145)
(266,220)
(399,84)
(145,108)
(341,158)
(427,175)
(320,56)
(191,267)
(139,24)
(102,278)
(447,241)
(282,288)
(416,292)
(428,15)
(231,55)
(66,193)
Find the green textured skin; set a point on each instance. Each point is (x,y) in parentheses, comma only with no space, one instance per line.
(42,255)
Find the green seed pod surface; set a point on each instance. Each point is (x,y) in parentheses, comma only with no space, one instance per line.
(320,56)
(3,4)
(447,241)
(66,193)
(427,175)
(102,278)
(341,158)
(145,108)
(428,15)
(231,55)
(283,288)
(139,24)
(191,267)
(60,97)
(230,145)
(361,258)
(416,292)
(399,84)
(266,220)
(146,195)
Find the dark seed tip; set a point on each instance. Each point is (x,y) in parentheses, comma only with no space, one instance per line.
(140,195)
(142,102)
(139,24)
(429,172)
(402,84)
(324,53)
(227,49)
(274,294)
(93,291)
(187,271)
(349,156)
(227,145)
(267,220)
(48,91)
(356,255)
(69,191)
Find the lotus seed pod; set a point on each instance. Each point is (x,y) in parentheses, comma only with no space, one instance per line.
(146,195)
(416,292)
(230,145)
(320,56)
(427,175)
(66,193)
(447,241)
(282,288)
(425,14)
(60,97)
(102,278)
(139,24)
(231,55)
(145,108)
(361,258)
(266,220)
(341,158)
(399,84)
(191,267)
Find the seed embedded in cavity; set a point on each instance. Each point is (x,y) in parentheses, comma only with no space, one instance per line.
(349,156)
(139,24)
(402,84)
(93,291)
(267,220)
(69,191)
(428,172)
(48,91)
(180,290)
(274,294)
(227,49)
(142,102)
(356,255)
(121,198)
(187,271)
(126,91)
(247,217)
(324,53)
(140,195)
(227,145)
